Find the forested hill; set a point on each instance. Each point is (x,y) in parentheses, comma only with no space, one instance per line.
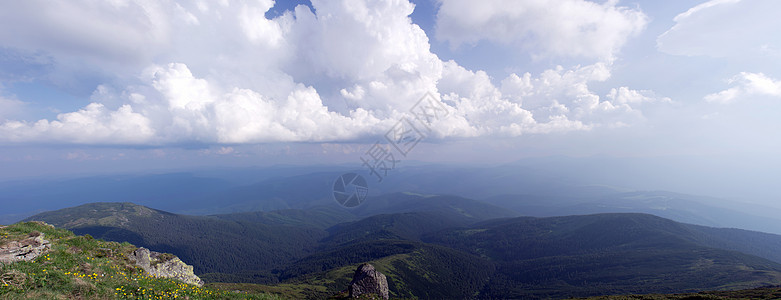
(612,254)
(252,245)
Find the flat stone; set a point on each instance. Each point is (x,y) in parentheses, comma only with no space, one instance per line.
(25,250)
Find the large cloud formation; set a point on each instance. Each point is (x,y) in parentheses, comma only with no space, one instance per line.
(221,72)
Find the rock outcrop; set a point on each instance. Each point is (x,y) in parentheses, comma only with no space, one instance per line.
(165,265)
(368,280)
(24,250)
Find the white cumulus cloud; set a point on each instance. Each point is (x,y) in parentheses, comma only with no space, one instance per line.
(568,28)
(90,125)
(559,94)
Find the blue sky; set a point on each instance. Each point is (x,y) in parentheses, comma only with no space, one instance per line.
(129,85)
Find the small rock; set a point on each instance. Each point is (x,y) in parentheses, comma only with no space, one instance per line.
(368,280)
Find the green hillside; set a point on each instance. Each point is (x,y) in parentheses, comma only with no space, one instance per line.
(427,272)
(80,267)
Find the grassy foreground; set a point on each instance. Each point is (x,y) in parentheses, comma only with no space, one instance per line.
(80,267)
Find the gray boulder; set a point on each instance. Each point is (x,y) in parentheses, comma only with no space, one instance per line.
(165,265)
(368,280)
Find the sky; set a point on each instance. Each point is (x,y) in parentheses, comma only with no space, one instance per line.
(128,85)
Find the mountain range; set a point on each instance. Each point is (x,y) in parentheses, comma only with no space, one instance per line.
(529,189)
(439,246)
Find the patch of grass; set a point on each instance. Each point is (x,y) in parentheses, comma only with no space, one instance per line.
(162,258)
(80,267)
(294,291)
